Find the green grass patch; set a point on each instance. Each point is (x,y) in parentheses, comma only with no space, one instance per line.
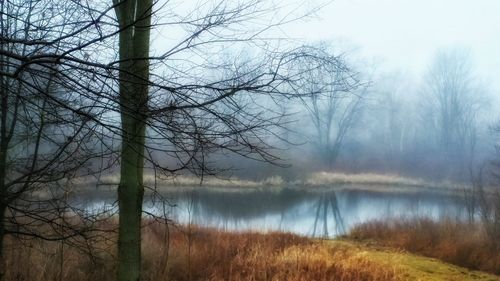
(412,267)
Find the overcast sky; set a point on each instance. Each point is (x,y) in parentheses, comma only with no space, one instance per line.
(404,34)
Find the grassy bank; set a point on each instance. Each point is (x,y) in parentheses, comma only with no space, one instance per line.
(463,244)
(368,181)
(206,254)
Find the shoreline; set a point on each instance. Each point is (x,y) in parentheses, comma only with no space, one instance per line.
(321,181)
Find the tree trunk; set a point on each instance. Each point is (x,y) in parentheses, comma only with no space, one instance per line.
(130,196)
(135,19)
(2,235)
(4,146)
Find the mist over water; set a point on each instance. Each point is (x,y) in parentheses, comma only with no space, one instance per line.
(315,213)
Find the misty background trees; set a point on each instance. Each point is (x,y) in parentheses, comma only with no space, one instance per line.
(333,96)
(454,104)
(436,125)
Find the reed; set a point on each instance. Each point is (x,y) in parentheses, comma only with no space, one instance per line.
(459,243)
(192,253)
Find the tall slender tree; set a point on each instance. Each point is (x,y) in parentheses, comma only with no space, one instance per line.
(134,18)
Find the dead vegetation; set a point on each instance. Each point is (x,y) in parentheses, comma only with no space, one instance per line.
(465,244)
(190,253)
(200,254)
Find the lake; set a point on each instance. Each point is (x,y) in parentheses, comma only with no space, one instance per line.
(326,212)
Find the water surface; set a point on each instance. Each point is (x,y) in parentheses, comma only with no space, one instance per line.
(318,213)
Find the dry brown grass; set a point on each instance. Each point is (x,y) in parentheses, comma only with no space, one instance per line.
(462,244)
(213,255)
(203,254)
(317,179)
(193,181)
(326,178)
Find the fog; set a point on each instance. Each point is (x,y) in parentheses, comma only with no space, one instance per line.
(401,51)
(405,34)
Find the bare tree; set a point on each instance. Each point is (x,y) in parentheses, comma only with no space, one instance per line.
(332,95)
(395,115)
(180,104)
(453,101)
(195,107)
(134,18)
(44,143)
